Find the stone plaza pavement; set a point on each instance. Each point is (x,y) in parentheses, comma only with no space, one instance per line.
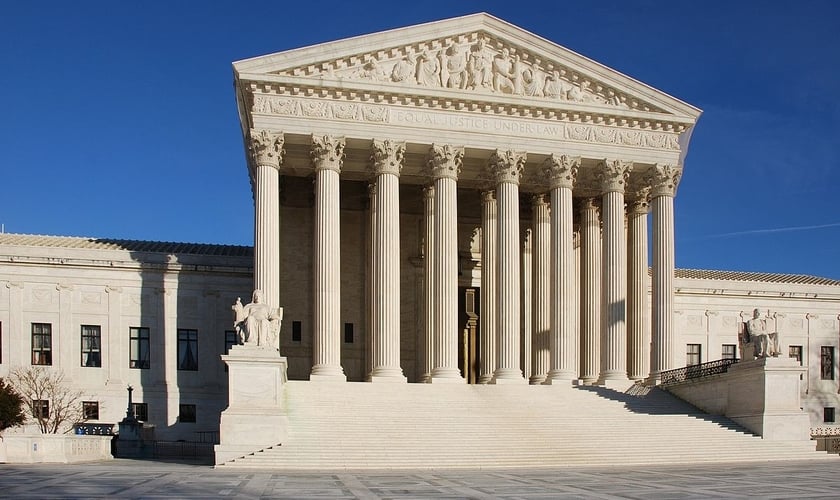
(144,479)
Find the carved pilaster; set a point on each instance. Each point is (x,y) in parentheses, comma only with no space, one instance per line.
(327,152)
(663,180)
(613,175)
(507,166)
(445,161)
(267,147)
(387,156)
(561,170)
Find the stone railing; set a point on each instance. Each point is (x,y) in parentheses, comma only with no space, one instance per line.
(701,370)
(54,448)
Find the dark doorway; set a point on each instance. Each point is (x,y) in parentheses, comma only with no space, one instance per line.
(469,334)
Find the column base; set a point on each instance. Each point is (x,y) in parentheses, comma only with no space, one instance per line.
(328,378)
(447,380)
(562,376)
(509,381)
(327,372)
(446,375)
(425,379)
(536,379)
(387,379)
(485,379)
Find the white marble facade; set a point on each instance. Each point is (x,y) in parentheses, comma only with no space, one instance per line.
(453,202)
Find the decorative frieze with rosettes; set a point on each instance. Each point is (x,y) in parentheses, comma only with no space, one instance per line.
(474,62)
(267,147)
(561,170)
(507,165)
(663,179)
(327,152)
(612,174)
(387,156)
(445,161)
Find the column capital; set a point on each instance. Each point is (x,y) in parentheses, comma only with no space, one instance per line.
(387,156)
(589,204)
(445,161)
(507,165)
(428,191)
(327,152)
(613,174)
(663,179)
(639,202)
(267,147)
(561,170)
(538,199)
(488,195)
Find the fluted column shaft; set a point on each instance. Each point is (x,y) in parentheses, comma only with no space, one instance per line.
(563,340)
(267,148)
(590,284)
(507,168)
(638,325)
(526,308)
(385,317)
(444,163)
(614,287)
(540,289)
(327,155)
(664,181)
(429,300)
(488,287)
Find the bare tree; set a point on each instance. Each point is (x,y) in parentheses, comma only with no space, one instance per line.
(52,402)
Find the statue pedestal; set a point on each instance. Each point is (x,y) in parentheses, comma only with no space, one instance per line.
(254,418)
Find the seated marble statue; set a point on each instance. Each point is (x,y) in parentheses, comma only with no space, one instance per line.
(257,323)
(766,343)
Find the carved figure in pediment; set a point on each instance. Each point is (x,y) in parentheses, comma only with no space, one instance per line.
(404,70)
(556,87)
(479,67)
(503,73)
(534,81)
(428,70)
(453,68)
(371,71)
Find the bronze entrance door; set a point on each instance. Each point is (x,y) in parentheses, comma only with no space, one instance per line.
(469,340)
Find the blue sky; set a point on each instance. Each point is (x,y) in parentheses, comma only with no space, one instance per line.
(117,119)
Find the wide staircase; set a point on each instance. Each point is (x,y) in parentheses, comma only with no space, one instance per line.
(402,426)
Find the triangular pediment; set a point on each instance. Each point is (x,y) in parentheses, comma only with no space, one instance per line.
(475,57)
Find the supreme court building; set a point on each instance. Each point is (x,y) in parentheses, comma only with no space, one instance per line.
(458,202)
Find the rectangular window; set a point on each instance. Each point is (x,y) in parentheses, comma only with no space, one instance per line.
(41,344)
(692,354)
(296,331)
(188,350)
(827,362)
(40,408)
(186,414)
(828,415)
(90,410)
(231,339)
(727,351)
(91,344)
(795,352)
(139,356)
(348,333)
(141,411)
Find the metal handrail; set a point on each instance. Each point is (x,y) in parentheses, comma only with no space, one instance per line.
(691,372)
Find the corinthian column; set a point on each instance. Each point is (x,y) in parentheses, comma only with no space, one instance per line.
(590,291)
(445,164)
(387,158)
(613,176)
(267,148)
(488,287)
(506,167)
(663,180)
(561,171)
(430,304)
(540,289)
(638,325)
(327,156)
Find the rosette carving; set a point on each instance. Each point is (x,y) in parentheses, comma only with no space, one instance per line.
(267,147)
(664,179)
(327,152)
(561,170)
(507,166)
(387,156)
(445,161)
(613,175)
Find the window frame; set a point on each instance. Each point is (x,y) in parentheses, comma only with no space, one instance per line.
(141,411)
(689,354)
(732,355)
(90,410)
(41,409)
(90,332)
(187,413)
(187,337)
(138,337)
(827,362)
(42,355)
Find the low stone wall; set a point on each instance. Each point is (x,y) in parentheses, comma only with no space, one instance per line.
(762,395)
(54,448)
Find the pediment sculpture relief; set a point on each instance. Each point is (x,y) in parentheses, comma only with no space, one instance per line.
(474,62)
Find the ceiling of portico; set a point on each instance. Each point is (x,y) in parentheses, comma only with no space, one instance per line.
(476,82)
